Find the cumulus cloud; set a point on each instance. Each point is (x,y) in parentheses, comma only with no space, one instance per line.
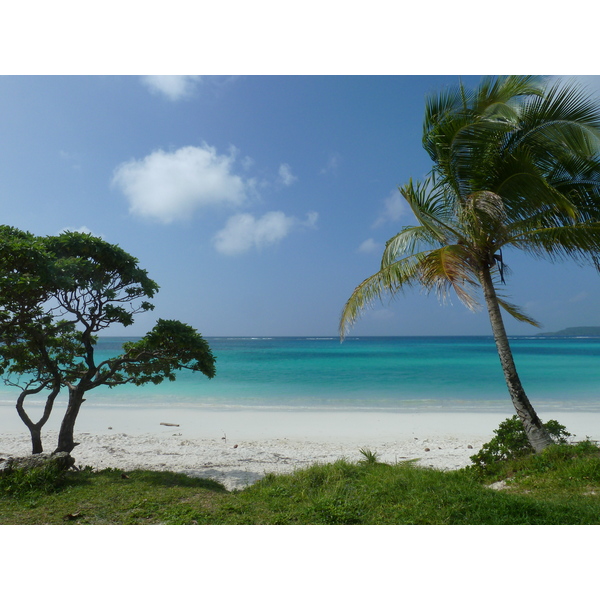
(369,246)
(285,175)
(243,231)
(169,186)
(247,163)
(393,208)
(174,87)
(82,229)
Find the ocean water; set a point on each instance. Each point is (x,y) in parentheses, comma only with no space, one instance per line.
(397,373)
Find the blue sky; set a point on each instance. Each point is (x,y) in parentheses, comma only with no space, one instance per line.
(257,203)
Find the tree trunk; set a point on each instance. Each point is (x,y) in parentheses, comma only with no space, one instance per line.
(65,435)
(36,440)
(536,433)
(35,429)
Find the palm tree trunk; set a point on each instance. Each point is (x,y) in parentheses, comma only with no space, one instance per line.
(536,433)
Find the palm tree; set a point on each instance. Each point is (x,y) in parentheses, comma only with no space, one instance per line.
(516,166)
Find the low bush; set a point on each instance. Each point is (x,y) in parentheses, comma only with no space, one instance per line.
(510,443)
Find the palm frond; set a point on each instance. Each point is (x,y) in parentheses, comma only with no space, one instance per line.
(562,102)
(410,240)
(516,312)
(580,242)
(500,112)
(564,122)
(473,154)
(449,268)
(578,178)
(527,194)
(387,281)
(493,91)
(465,135)
(439,270)
(438,108)
(429,203)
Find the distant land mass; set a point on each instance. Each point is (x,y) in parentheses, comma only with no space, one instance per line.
(574,332)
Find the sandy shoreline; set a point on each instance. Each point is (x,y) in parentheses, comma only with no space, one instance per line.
(238,447)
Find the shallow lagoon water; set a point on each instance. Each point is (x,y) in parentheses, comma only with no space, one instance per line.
(391,373)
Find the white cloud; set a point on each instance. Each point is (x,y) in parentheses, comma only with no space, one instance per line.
(285,174)
(311,219)
(168,186)
(332,164)
(174,87)
(393,208)
(247,163)
(369,246)
(82,229)
(243,231)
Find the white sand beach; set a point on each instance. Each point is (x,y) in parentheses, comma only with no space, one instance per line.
(238,447)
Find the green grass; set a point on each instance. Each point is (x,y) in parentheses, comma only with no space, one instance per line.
(113,497)
(559,486)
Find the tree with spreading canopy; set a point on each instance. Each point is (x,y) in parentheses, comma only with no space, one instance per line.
(516,167)
(57,293)
(25,357)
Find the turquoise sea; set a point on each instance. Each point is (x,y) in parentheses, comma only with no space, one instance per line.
(398,373)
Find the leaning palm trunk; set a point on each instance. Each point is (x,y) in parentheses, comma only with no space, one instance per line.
(536,433)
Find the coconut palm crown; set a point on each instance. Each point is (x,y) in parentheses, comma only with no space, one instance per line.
(516,166)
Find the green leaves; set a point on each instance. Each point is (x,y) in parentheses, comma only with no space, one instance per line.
(99,273)
(170,346)
(25,270)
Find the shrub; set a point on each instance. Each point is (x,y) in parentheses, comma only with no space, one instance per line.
(510,442)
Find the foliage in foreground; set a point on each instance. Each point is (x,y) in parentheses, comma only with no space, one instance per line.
(560,470)
(510,442)
(557,486)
